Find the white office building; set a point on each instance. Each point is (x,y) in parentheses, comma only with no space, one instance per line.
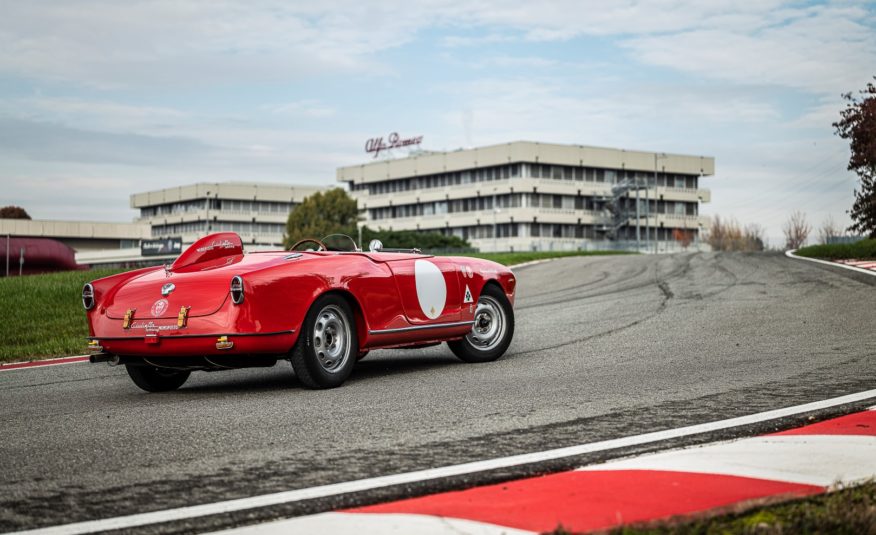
(257,212)
(538,196)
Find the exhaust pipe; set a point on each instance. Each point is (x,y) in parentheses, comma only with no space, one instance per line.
(112,360)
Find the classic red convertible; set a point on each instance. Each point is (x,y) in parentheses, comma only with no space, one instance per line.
(321,305)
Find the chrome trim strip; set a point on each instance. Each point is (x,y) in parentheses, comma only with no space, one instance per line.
(175,336)
(422,327)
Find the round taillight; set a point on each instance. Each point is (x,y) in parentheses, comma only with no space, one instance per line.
(237,289)
(88,296)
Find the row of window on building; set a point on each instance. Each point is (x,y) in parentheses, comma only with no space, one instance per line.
(552,230)
(225,205)
(204,227)
(524,200)
(533,170)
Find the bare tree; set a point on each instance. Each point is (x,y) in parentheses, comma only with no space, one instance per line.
(796,230)
(829,230)
(728,235)
(753,237)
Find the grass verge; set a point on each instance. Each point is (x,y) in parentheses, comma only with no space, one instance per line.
(860,250)
(42,315)
(848,511)
(510,259)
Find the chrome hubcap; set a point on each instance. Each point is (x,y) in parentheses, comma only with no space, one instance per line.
(489,324)
(331,339)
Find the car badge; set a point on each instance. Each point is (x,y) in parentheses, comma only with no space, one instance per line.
(159,307)
(167,288)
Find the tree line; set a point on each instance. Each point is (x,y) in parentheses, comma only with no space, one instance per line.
(335,212)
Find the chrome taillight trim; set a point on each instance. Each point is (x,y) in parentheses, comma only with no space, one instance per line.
(237,289)
(88,296)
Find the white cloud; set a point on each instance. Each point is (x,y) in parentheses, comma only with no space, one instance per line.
(823,50)
(302,108)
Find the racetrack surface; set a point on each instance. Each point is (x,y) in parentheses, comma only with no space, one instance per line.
(605,347)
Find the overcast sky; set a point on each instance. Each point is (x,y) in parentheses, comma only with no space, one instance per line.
(102,99)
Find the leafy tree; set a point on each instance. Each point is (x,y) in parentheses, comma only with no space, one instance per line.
(335,212)
(408,239)
(858,125)
(321,214)
(13,212)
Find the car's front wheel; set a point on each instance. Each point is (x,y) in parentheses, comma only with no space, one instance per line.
(492,330)
(328,345)
(152,379)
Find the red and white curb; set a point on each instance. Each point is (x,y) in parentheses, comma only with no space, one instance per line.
(46,362)
(859,266)
(796,463)
(862,264)
(191,512)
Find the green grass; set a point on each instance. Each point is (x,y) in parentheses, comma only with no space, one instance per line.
(42,315)
(861,250)
(510,259)
(848,511)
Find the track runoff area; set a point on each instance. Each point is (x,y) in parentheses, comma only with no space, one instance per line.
(694,479)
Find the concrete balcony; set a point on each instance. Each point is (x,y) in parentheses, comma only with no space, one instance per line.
(209,215)
(489,217)
(520,185)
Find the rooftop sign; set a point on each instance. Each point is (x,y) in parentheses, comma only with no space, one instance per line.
(394,141)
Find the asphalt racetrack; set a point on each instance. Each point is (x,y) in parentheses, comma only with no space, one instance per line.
(605,347)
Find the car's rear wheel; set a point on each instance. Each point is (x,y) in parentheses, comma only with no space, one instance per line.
(492,330)
(152,379)
(328,345)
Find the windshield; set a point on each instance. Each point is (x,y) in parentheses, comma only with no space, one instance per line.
(340,242)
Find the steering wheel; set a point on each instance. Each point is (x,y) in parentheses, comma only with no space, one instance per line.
(319,245)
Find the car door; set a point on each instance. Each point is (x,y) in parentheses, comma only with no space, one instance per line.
(429,289)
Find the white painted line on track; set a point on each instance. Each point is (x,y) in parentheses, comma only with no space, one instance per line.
(374,524)
(790,254)
(335,489)
(820,460)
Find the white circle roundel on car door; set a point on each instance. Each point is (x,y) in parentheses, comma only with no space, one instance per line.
(431,288)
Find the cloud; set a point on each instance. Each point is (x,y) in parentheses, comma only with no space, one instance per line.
(42,141)
(302,108)
(457,41)
(824,50)
(104,44)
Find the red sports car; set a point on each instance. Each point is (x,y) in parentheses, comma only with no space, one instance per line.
(321,305)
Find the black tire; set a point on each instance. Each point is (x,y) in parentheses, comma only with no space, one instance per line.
(328,344)
(152,379)
(491,302)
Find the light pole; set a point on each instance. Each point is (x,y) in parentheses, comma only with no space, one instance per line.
(495,222)
(648,213)
(638,232)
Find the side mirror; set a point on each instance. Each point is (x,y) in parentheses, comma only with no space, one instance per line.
(375,246)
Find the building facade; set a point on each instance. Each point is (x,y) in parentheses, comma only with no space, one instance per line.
(79,235)
(257,212)
(538,196)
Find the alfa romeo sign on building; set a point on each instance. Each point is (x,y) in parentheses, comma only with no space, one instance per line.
(393,141)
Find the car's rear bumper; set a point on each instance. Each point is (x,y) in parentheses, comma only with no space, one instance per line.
(159,344)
